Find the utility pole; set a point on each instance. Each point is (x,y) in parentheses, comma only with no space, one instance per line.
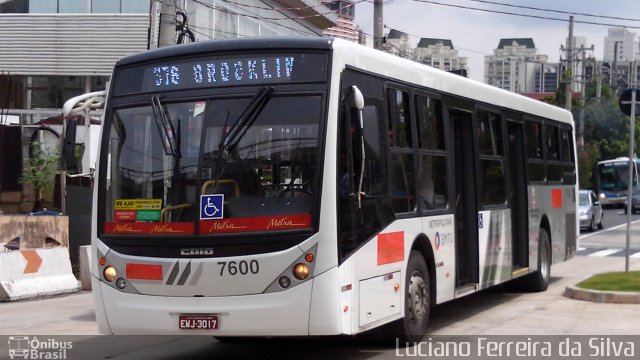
(598,81)
(568,90)
(583,101)
(632,156)
(167,34)
(154,24)
(614,69)
(377,24)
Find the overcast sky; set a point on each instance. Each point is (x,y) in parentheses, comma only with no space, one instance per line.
(476,33)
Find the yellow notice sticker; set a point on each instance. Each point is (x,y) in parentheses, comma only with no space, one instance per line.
(138,204)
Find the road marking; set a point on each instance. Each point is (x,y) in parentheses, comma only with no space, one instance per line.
(600,232)
(582,248)
(603,253)
(636,255)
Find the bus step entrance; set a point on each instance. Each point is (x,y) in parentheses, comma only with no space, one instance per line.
(466,289)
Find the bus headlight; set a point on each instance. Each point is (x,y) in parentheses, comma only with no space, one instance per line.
(109,273)
(602,196)
(301,271)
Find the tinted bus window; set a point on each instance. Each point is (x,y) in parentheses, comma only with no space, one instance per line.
(491,158)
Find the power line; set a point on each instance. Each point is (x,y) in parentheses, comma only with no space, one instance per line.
(525,15)
(421,37)
(254,16)
(280,9)
(555,11)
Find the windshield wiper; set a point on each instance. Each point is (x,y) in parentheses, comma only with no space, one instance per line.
(165,127)
(245,120)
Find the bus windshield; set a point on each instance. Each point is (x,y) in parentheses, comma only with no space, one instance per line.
(614,176)
(216,165)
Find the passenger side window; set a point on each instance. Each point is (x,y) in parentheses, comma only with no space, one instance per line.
(552,140)
(432,159)
(535,151)
(490,141)
(402,174)
(567,157)
(399,119)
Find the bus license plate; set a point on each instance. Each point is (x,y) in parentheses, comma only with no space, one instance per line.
(198,321)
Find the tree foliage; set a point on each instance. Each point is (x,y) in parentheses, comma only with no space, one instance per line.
(41,171)
(606,128)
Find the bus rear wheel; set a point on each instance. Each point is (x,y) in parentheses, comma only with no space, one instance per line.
(539,281)
(417,297)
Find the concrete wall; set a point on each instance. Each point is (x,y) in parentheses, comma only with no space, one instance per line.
(33,232)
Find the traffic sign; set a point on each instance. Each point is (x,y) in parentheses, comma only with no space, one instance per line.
(625,102)
(211,206)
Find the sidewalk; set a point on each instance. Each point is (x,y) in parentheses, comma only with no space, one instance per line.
(615,237)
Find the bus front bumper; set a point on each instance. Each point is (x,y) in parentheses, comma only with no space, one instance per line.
(283,313)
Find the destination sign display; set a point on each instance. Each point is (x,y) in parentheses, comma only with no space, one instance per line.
(207,72)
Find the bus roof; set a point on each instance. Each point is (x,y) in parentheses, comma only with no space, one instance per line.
(229,45)
(347,53)
(618,159)
(375,61)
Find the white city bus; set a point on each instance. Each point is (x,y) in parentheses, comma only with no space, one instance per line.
(266,187)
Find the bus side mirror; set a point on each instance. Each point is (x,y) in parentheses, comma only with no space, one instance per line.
(357,98)
(68,159)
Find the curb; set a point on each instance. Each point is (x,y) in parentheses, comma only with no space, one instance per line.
(612,297)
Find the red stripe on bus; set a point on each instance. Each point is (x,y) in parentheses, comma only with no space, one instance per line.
(556,198)
(390,247)
(256,223)
(144,271)
(149,228)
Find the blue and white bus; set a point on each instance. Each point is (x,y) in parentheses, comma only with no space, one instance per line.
(612,178)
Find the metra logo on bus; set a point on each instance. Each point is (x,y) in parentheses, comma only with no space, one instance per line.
(284,222)
(164,229)
(125,228)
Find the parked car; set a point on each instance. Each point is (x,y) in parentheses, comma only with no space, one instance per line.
(591,214)
(635,200)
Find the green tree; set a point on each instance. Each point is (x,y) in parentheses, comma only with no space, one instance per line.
(588,156)
(605,125)
(41,172)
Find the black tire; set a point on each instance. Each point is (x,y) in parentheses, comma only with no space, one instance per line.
(539,280)
(417,297)
(601,223)
(592,225)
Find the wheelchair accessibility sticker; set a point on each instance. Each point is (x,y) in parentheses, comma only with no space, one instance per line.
(211,206)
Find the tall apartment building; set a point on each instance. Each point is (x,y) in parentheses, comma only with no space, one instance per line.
(345,27)
(627,49)
(516,66)
(621,48)
(397,43)
(440,54)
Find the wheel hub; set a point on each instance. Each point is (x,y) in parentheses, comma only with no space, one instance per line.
(417,299)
